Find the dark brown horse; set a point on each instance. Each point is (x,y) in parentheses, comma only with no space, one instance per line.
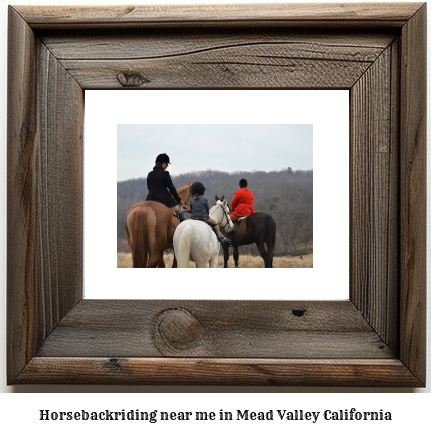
(257,228)
(150,228)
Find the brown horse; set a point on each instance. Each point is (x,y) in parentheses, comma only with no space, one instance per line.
(150,228)
(257,228)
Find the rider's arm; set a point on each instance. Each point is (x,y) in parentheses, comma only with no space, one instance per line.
(234,201)
(171,187)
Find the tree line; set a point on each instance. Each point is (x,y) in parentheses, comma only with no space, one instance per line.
(286,195)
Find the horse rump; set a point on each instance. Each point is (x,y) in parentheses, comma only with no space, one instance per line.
(137,235)
(183,238)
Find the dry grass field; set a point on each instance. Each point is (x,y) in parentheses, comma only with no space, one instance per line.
(124,260)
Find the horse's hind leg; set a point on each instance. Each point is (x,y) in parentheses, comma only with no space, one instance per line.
(161,263)
(225,255)
(202,264)
(156,260)
(264,254)
(236,256)
(268,247)
(213,262)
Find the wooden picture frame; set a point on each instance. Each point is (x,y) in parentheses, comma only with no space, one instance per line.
(376,338)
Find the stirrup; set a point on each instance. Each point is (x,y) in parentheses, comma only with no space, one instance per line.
(229,238)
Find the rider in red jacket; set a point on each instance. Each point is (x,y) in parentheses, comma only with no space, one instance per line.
(241,204)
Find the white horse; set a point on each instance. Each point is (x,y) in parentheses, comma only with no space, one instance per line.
(195,240)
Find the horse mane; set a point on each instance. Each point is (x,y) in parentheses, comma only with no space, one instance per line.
(214,208)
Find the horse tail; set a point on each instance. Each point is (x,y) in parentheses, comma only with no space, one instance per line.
(126,226)
(183,246)
(270,240)
(137,231)
(140,229)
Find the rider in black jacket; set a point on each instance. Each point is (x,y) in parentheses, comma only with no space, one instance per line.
(161,188)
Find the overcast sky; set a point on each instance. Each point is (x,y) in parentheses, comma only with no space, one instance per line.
(227,147)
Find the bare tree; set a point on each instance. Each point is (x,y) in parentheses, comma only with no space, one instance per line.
(286,195)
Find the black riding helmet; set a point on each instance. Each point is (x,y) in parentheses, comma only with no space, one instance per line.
(163,158)
(198,188)
(243,183)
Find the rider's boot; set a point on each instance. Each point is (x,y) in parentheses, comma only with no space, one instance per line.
(229,234)
(221,238)
(181,217)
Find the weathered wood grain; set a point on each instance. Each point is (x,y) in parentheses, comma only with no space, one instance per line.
(260,66)
(374,194)
(139,45)
(329,372)
(199,71)
(265,15)
(21,194)
(44,193)
(413,194)
(235,329)
(218,60)
(376,338)
(59,188)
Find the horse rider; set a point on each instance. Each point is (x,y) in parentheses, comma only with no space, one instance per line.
(161,189)
(200,209)
(241,205)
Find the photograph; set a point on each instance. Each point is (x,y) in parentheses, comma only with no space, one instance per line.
(243,194)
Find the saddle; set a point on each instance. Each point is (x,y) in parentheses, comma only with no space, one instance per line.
(238,221)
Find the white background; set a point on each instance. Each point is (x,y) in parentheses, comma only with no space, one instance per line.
(328,111)
(21,410)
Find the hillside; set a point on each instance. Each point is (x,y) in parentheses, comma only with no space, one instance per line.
(286,195)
